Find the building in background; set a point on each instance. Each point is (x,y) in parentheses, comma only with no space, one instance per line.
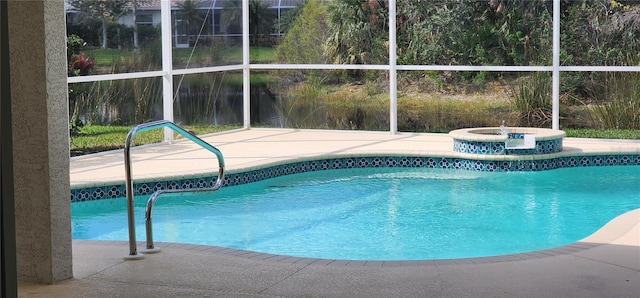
(223,17)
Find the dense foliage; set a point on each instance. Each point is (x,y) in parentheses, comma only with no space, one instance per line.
(441,32)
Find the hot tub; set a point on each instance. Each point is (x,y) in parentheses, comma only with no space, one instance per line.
(507,140)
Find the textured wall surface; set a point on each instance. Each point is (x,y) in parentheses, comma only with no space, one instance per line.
(41,139)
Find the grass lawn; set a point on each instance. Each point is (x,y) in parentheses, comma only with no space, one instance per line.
(628,134)
(105,58)
(98,138)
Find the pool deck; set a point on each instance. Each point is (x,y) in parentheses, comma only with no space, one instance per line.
(606,264)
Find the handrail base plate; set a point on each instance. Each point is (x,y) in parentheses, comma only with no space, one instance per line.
(133,257)
(150,250)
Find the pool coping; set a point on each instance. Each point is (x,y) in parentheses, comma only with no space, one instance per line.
(490,134)
(450,155)
(267,170)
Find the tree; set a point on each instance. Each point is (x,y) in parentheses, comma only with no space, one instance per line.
(134,5)
(232,17)
(105,10)
(117,10)
(288,18)
(189,11)
(300,44)
(358,32)
(261,19)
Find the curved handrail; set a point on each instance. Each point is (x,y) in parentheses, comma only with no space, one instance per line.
(133,251)
(150,248)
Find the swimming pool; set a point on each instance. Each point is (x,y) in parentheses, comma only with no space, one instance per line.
(384,213)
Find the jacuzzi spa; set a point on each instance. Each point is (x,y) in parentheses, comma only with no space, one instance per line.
(507,140)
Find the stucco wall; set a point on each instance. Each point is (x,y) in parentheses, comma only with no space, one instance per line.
(37,51)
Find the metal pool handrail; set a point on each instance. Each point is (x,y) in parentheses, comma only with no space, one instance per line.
(133,251)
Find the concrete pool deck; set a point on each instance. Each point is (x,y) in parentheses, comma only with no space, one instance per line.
(606,264)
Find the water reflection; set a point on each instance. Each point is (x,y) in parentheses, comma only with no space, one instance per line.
(205,105)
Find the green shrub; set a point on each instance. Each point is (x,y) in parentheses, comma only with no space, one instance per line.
(357,107)
(418,114)
(121,101)
(620,109)
(74,45)
(312,105)
(531,98)
(358,111)
(301,106)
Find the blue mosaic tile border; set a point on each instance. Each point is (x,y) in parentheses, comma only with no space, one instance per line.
(498,148)
(147,188)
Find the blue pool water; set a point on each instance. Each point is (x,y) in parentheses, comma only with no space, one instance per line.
(383,213)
